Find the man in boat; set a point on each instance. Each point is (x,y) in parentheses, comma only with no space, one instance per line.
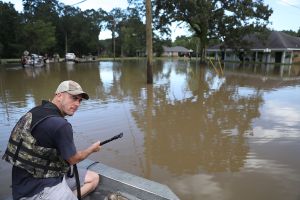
(41,149)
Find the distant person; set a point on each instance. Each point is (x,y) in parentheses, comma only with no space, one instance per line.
(56,57)
(45,58)
(41,149)
(24,58)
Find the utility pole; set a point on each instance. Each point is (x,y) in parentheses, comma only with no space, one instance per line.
(149,41)
(114,40)
(66,43)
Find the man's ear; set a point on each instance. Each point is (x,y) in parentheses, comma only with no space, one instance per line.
(58,97)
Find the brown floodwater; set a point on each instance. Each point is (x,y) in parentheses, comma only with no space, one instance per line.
(207,133)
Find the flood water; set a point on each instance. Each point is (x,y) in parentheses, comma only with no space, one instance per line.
(206,134)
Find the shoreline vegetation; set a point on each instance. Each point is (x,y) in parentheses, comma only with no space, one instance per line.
(97,59)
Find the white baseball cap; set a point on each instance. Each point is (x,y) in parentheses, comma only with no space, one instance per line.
(72,88)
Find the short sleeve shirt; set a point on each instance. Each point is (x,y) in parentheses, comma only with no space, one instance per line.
(53,132)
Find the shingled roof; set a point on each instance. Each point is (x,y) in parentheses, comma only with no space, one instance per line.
(176,49)
(276,40)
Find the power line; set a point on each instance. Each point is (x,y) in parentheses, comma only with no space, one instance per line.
(78,3)
(291,4)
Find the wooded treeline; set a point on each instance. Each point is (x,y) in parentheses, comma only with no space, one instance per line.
(49,26)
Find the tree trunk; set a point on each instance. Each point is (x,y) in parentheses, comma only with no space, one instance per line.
(149,41)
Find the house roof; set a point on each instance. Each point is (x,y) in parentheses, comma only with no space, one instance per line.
(176,49)
(275,40)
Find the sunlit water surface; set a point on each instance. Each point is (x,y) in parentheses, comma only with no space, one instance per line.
(207,133)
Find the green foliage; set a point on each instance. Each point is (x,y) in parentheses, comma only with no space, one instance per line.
(39,36)
(132,35)
(158,44)
(291,32)
(187,42)
(216,19)
(48,26)
(10,21)
(128,32)
(82,34)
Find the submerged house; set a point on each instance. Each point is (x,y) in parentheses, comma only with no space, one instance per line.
(175,51)
(278,47)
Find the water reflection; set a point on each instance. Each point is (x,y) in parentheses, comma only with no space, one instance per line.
(189,187)
(190,128)
(280,117)
(267,71)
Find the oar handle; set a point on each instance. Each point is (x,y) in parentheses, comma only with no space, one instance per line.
(111,139)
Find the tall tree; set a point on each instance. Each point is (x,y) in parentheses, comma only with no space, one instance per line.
(66,25)
(132,35)
(79,30)
(209,19)
(39,36)
(10,21)
(114,19)
(48,11)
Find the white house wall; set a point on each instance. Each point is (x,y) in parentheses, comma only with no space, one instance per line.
(258,56)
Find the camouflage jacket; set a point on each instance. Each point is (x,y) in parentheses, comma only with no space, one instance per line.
(23,152)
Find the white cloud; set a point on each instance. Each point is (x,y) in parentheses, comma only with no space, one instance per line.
(282,113)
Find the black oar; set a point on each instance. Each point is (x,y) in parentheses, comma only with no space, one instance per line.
(111,139)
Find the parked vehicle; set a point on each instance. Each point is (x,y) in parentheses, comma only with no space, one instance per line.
(32,60)
(70,57)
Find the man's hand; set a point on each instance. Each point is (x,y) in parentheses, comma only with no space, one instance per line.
(81,155)
(96,146)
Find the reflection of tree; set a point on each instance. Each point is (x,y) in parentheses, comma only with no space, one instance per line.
(127,81)
(188,134)
(205,131)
